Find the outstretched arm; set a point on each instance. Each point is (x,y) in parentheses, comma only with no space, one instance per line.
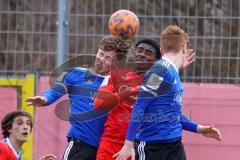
(51,95)
(36,101)
(210,132)
(188,124)
(207,131)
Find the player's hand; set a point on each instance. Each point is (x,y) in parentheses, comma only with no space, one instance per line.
(189,58)
(210,132)
(48,157)
(126,152)
(36,101)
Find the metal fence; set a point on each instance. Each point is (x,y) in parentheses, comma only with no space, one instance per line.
(28,32)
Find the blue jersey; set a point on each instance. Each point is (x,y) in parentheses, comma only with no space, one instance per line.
(81,86)
(157,112)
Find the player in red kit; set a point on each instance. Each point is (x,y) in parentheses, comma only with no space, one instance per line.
(6,153)
(125,84)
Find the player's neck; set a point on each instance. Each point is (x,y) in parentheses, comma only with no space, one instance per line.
(176,58)
(16,144)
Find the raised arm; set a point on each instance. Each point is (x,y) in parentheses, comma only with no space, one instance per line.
(207,131)
(58,89)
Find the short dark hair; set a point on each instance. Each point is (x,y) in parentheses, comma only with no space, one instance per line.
(151,42)
(7,121)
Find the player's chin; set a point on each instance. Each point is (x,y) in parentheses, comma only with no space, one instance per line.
(98,67)
(142,65)
(24,137)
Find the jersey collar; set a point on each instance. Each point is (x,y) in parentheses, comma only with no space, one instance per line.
(17,154)
(171,62)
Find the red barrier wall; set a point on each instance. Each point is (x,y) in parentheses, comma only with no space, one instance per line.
(217,104)
(213,104)
(9,102)
(50,131)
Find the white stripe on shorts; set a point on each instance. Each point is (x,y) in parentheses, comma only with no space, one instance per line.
(141,150)
(68,150)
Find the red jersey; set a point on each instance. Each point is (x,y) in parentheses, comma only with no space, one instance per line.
(6,153)
(116,126)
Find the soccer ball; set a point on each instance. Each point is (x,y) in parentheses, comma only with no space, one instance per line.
(124,23)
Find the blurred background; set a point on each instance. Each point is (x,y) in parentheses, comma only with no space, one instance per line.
(34,32)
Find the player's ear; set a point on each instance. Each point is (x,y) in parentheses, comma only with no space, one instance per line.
(161,51)
(184,49)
